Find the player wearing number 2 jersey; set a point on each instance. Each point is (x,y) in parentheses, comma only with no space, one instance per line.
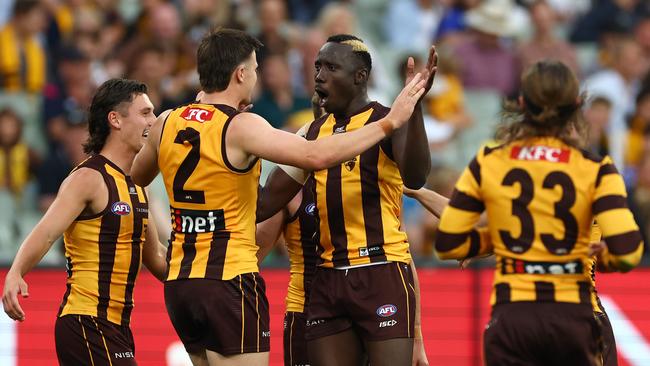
(541,194)
(208,154)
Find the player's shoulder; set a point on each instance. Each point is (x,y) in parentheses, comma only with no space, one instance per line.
(83,181)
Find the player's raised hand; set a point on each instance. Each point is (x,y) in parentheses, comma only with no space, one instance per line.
(14,285)
(403,105)
(431,68)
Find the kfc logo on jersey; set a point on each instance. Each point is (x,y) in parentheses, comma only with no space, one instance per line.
(121,208)
(197,114)
(540,153)
(386,311)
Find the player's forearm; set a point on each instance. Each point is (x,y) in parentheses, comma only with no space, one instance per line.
(418,304)
(154,259)
(431,200)
(279,189)
(411,149)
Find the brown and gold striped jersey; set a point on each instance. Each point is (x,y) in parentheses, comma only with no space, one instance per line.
(104,251)
(359,201)
(541,197)
(300,234)
(213,204)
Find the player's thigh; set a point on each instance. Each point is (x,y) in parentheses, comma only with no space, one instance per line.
(200,358)
(341,349)
(392,352)
(245,359)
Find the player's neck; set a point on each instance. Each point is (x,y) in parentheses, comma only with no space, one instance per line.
(356,104)
(122,156)
(225,97)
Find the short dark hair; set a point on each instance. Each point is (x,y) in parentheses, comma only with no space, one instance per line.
(109,97)
(219,53)
(362,52)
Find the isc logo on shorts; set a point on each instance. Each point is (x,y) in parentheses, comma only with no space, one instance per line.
(197,114)
(387,310)
(121,208)
(387,323)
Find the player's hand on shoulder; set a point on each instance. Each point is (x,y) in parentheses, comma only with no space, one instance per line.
(14,285)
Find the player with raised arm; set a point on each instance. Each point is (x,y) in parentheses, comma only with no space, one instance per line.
(541,193)
(103,217)
(208,154)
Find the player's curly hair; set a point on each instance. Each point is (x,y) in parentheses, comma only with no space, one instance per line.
(549,105)
(110,96)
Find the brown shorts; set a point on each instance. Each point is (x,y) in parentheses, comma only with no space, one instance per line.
(87,340)
(610,357)
(295,344)
(378,302)
(529,333)
(227,317)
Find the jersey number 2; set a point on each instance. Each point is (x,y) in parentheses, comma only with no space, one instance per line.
(562,212)
(187,167)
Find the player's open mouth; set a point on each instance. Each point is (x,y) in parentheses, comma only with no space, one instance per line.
(322,94)
(145,133)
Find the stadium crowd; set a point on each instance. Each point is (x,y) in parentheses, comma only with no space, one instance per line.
(55,53)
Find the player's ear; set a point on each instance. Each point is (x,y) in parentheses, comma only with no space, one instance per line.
(361,76)
(114,120)
(239,73)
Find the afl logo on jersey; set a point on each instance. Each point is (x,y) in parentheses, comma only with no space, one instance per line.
(197,114)
(121,208)
(387,310)
(310,209)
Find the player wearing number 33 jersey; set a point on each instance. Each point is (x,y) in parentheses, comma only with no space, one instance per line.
(541,194)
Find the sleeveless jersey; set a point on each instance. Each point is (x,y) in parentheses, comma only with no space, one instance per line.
(213,204)
(104,251)
(359,201)
(541,198)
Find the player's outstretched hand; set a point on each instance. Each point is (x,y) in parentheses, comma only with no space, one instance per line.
(403,105)
(14,285)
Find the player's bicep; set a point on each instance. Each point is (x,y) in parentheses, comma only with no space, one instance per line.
(75,194)
(256,137)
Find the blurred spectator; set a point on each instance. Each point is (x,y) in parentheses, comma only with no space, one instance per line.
(164,27)
(338,18)
(67,97)
(274,30)
(17,160)
(619,84)
(303,64)
(60,162)
(152,67)
(305,12)
(452,24)
(638,135)
(277,102)
(544,44)
(597,114)
(606,16)
(485,62)
(202,15)
(23,60)
(409,25)
(642,37)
